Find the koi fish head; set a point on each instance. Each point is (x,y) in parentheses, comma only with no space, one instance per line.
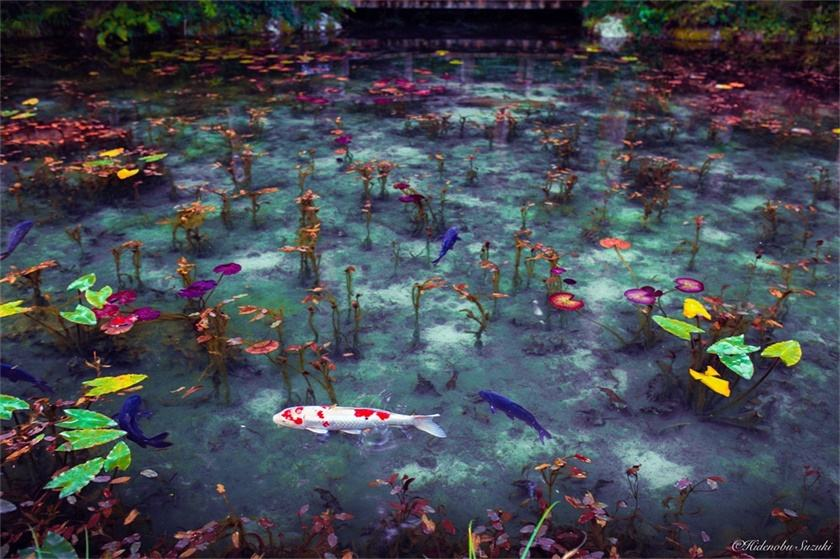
(290,417)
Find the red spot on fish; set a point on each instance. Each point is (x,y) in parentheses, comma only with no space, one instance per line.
(363,412)
(298,409)
(287,414)
(320,414)
(383,415)
(298,420)
(326,423)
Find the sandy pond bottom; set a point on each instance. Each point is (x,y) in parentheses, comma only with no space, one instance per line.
(774,129)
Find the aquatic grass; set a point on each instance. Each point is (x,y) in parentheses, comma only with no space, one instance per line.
(546,513)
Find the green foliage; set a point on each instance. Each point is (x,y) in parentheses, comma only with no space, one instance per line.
(733,345)
(740,364)
(112,23)
(76,478)
(86,419)
(9,404)
(734,353)
(82,283)
(789,351)
(80,315)
(89,438)
(98,298)
(108,385)
(53,547)
(678,328)
(119,457)
(776,19)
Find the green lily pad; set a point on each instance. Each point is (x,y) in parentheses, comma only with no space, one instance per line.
(53,547)
(740,364)
(86,419)
(83,283)
(152,158)
(88,438)
(12,308)
(733,345)
(80,315)
(98,298)
(789,351)
(678,328)
(108,385)
(9,404)
(77,477)
(9,112)
(119,457)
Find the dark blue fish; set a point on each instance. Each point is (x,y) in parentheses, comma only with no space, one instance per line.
(16,374)
(513,411)
(448,242)
(16,235)
(127,419)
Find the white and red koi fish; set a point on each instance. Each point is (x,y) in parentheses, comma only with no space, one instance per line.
(322,419)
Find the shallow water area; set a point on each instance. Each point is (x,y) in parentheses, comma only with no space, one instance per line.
(489,139)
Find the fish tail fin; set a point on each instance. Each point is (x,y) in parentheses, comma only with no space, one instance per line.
(438,259)
(158,441)
(4,255)
(543,435)
(426,424)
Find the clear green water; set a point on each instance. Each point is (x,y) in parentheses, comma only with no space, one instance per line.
(553,365)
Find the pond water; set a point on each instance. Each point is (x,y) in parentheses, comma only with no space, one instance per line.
(580,137)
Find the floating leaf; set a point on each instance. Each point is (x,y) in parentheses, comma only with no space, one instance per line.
(263,347)
(152,158)
(98,298)
(678,328)
(789,351)
(23,115)
(112,152)
(86,419)
(53,547)
(83,283)
(119,457)
(9,404)
(88,438)
(100,163)
(123,174)
(81,315)
(733,345)
(108,385)
(9,112)
(77,477)
(12,308)
(31,102)
(740,364)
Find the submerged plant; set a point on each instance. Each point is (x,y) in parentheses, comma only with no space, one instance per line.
(693,245)
(417,292)
(730,352)
(479,315)
(136,261)
(619,245)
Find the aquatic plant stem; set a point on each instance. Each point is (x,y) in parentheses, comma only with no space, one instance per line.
(626,265)
(750,390)
(533,537)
